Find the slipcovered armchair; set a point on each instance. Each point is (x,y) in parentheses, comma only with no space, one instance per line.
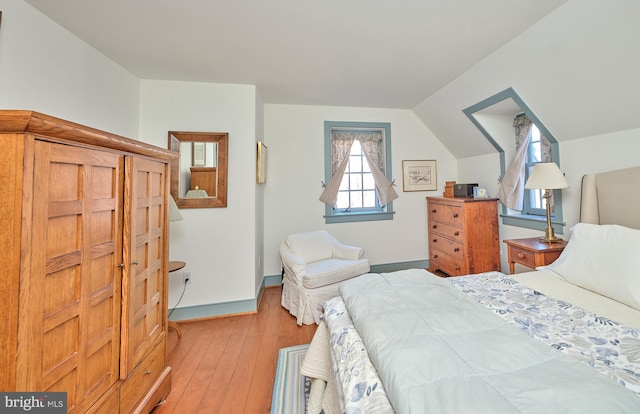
(314,264)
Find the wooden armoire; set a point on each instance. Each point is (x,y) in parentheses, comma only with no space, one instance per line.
(83,264)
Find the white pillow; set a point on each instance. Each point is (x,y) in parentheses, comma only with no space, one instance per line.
(602,259)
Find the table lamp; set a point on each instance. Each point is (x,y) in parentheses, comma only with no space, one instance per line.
(547,176)
(174,211)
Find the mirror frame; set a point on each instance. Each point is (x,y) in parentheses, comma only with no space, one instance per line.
(222,139)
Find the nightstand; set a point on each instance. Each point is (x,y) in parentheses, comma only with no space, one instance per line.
(173,266)
(532,252)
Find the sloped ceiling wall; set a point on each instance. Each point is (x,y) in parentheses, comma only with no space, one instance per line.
(577,69)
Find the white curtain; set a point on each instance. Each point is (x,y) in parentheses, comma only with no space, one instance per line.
(341,150)
(511,188)
(372,146)
(384,188)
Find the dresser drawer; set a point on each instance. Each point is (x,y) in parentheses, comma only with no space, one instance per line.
(450,247)
(447,230)
(443,213)
(141,379)
(448,264)
(107,404)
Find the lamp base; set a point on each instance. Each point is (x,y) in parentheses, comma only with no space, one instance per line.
(549,234)
(551,240)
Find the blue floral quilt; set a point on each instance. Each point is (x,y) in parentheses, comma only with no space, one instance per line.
(431,340)
(606,345)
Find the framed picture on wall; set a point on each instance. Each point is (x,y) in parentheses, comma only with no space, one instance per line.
(198,154)
(261,166)
(419,175)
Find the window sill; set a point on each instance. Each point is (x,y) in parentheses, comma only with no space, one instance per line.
(532,222)
(355,217)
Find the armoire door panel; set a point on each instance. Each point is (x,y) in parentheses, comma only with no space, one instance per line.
(70,305)
(143,289)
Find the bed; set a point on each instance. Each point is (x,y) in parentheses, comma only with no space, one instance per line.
(563,338)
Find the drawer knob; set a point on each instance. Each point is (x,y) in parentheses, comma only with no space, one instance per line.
(434,240)
(456,233)
(435,226)
(455,215)
(435,256)
(147,372)
(433,211)
(457,267)
(521,255)
(135,263)
(456,249)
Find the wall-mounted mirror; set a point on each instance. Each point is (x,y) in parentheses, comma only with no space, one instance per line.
(199,175)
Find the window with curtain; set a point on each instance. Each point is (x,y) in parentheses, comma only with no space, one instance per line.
(532,147)
(538,150)
(494,117)
(357,172)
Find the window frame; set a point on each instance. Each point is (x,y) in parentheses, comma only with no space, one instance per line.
(366,214)
(531,161)
(511,217)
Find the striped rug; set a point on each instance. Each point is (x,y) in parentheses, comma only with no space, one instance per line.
(291,389)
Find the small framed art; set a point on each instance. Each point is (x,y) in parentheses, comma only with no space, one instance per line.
(198,154)
(261,166)
(480,192)
(419,175)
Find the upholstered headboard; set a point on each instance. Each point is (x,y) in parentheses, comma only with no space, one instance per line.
(611,197)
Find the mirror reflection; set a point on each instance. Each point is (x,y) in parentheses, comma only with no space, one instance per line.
(198,169)
(199,175)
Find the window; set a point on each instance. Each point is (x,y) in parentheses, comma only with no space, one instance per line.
(539,150)
(493,117)
(355,186)
(358,188)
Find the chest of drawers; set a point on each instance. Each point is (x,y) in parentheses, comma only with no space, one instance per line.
(463,235)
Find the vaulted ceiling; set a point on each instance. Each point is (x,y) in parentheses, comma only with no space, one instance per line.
(369,53)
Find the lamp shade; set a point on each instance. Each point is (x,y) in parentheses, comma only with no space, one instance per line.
(547,176)
(196,194)
(174,212)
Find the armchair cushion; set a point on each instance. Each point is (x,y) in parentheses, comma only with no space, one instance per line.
(343,251)
(327,272)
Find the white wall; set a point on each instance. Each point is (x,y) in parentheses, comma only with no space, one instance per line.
(594,154)
(259,205)
(577,69)
(216,243)
(45,68)
(295,135)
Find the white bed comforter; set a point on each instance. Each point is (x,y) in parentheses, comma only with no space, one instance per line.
(438,350)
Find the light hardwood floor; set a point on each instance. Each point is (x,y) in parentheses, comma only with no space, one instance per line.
(227,365)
